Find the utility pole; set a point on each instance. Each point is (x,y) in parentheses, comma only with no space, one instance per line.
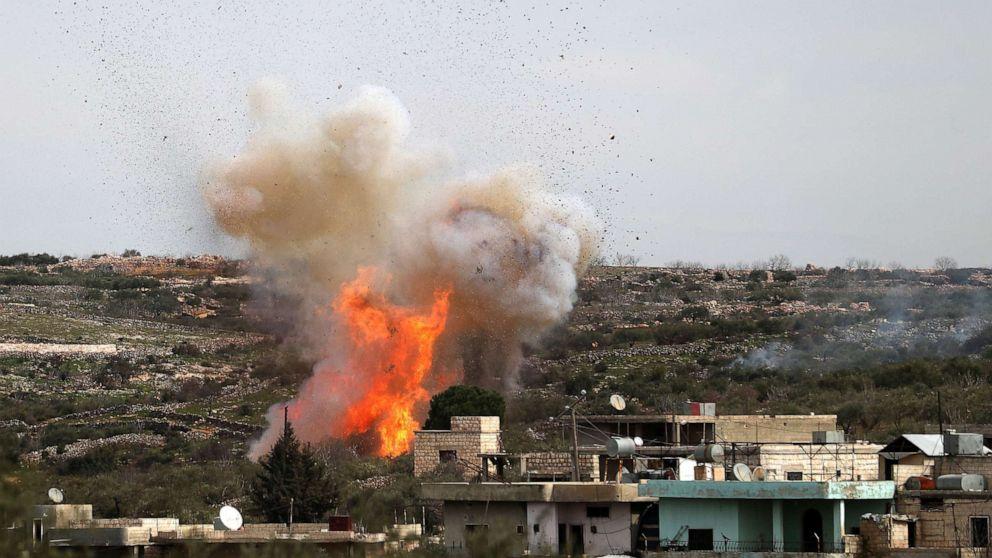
(291,516)
(575,448)
(575,440)
(940,414)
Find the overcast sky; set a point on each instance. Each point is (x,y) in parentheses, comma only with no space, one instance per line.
(822,130)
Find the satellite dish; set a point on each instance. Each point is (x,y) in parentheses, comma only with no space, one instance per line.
(55,495)
(230,518)
(742,472)
(758,474)
(638,441)
(617,402)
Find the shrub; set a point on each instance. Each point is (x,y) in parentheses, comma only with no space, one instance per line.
(463,401)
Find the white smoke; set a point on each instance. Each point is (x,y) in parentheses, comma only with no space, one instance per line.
(318,196)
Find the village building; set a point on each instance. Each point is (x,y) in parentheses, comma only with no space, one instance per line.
(944,503)
(562,518)
(660,515)
(764,516)
(695,429)
(463,445)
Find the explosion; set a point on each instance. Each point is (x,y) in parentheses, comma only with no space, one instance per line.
(429,280)
(396,347)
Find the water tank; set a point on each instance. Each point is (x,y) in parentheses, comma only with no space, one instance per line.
(828,437)
(920,483)
(967,482)
(956,443)
(620,447)
(709,453)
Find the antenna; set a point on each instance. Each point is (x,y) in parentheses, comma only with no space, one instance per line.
(617,402)
(56,495)
(230,518)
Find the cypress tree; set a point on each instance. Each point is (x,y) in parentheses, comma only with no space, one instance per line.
(291,472)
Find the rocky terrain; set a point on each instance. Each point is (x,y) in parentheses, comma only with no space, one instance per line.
(159,367)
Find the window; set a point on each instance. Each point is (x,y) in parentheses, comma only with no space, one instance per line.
(794,475)
(520,529)
(473,527)
(979,531)
(931,504)
(598,511)
(700,539)
(448,456)
(537,527)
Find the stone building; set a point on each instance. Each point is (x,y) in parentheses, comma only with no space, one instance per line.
(468,439)
(850,461)
(685,429)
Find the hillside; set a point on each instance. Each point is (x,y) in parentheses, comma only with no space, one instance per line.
(135,383)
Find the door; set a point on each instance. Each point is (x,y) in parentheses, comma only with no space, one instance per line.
(562,539)
(812,531)
(700,539)
(578,546)
(979,532)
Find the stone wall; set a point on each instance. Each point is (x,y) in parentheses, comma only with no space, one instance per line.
(468,437)
(558,465)
(820,462)
(881,533)
(771,428)
(944,522)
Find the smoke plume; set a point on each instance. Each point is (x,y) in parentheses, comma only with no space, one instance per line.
(325,201)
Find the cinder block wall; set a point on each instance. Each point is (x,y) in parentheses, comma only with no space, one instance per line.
(558,464)
(468,437)
(771,428)
(820,462)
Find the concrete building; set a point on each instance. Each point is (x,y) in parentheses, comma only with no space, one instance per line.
(913,455)
(562,518)
(941,522)
(851,461)
(688,429)
(72,526)
(763,516)
(468,439)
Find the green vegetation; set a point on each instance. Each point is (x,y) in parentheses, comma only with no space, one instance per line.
(463,401)
(292,484)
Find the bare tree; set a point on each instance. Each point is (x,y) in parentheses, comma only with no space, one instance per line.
(862,263)
(779,262)
(944,263)
(626,260)
(599,260)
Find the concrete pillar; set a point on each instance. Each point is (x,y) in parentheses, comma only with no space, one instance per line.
(778,523)
(838,525)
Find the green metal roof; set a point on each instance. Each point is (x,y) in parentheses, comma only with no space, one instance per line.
(769,490)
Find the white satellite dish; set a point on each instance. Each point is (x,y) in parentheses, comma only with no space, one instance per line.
(231,518)
(56,495)
(638,441)
(617,402)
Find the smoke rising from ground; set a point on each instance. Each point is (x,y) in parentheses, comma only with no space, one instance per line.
(317,197)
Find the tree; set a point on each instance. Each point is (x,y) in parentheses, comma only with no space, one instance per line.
(291,476)
(626,260)
(131,253)
(943,263)
(779,262)
(459,401)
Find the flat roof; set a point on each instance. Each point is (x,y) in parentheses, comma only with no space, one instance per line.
(697,418)
(769,490)
(532,492)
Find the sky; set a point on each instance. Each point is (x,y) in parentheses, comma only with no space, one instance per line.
(717,132)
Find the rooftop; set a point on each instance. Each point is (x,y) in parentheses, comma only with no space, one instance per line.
(532,492)
(769,490)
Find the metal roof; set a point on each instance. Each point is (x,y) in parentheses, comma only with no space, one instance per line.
(931,445)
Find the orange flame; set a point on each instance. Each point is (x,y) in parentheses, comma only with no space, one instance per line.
(392,351)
